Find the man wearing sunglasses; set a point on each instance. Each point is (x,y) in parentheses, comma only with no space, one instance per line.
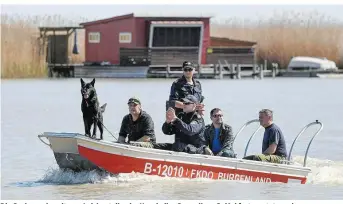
(138,126)
(184,86)
(188,127)
(219,136)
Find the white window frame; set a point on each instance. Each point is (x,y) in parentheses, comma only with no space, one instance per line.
(96,35)
(129,36)
(175,25)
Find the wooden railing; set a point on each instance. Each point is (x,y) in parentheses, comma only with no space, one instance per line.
(234,55)
(173,55)
(155,56)
(177,55)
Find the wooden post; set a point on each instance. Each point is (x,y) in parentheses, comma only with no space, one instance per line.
(215,69)
(254,71)
(168,71)
(232,71)
(274,65)
(261,72)
(199,71)
(238,71)
(254,68)
(220,71)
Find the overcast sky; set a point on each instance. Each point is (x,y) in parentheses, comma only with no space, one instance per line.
(218,11)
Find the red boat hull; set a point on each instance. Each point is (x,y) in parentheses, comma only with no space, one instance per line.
(115,163)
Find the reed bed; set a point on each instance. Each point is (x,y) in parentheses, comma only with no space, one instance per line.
(286,35)
(23,54)
(278,38)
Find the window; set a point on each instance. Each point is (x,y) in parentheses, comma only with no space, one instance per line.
(94,37)
(125,37)
(176,37)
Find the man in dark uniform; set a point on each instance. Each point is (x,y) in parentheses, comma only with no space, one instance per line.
(184,86)
(138,126)
(188,127)
(273,146)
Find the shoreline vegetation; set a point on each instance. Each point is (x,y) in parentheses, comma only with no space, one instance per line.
(278,39)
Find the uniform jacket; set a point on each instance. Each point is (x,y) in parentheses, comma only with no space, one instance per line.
(188,129)
(134,130)
(180,89)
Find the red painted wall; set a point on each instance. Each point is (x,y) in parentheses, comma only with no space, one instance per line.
(206,40)
(108,48)
(141,32)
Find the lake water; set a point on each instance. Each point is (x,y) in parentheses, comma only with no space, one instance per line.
(30,107)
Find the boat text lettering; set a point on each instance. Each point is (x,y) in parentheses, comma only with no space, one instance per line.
(180,171)
(164,170)
(241,177)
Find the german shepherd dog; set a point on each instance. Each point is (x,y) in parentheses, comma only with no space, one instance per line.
(92,113)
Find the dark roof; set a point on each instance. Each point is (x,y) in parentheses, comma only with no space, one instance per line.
(107,19)
(233,40)
(61,28)
(147,17)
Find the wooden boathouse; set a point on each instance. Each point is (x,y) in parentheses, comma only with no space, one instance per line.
(145,46)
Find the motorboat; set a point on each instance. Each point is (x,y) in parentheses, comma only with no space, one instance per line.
(78,152)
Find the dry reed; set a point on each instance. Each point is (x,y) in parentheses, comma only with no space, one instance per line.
(290,34)
(23,55)
(279,38)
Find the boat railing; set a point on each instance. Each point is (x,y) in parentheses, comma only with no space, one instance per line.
(40,138)
(243,127)
(309,144)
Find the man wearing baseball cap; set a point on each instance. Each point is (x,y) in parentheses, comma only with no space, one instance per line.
(138,125)
(188,127)
(184,86)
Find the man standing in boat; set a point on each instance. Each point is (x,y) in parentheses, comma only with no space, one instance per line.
(219,136)
(184,86)
(273,145)
(138,126)
(188,127)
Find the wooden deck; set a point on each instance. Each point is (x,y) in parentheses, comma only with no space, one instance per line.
(111,72)
(214,71)
(209,71)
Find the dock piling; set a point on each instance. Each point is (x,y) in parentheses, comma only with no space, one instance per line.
(261,71)
(238,71)
(168,71)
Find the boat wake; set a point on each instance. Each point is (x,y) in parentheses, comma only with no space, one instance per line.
(65,177)
(323,172)
(60,177)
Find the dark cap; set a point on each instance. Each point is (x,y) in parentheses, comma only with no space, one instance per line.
(187,64)
(190,99)
(134,100)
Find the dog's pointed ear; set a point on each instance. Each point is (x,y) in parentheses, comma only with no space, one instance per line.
(82,82)
(103,107)
(93,82)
